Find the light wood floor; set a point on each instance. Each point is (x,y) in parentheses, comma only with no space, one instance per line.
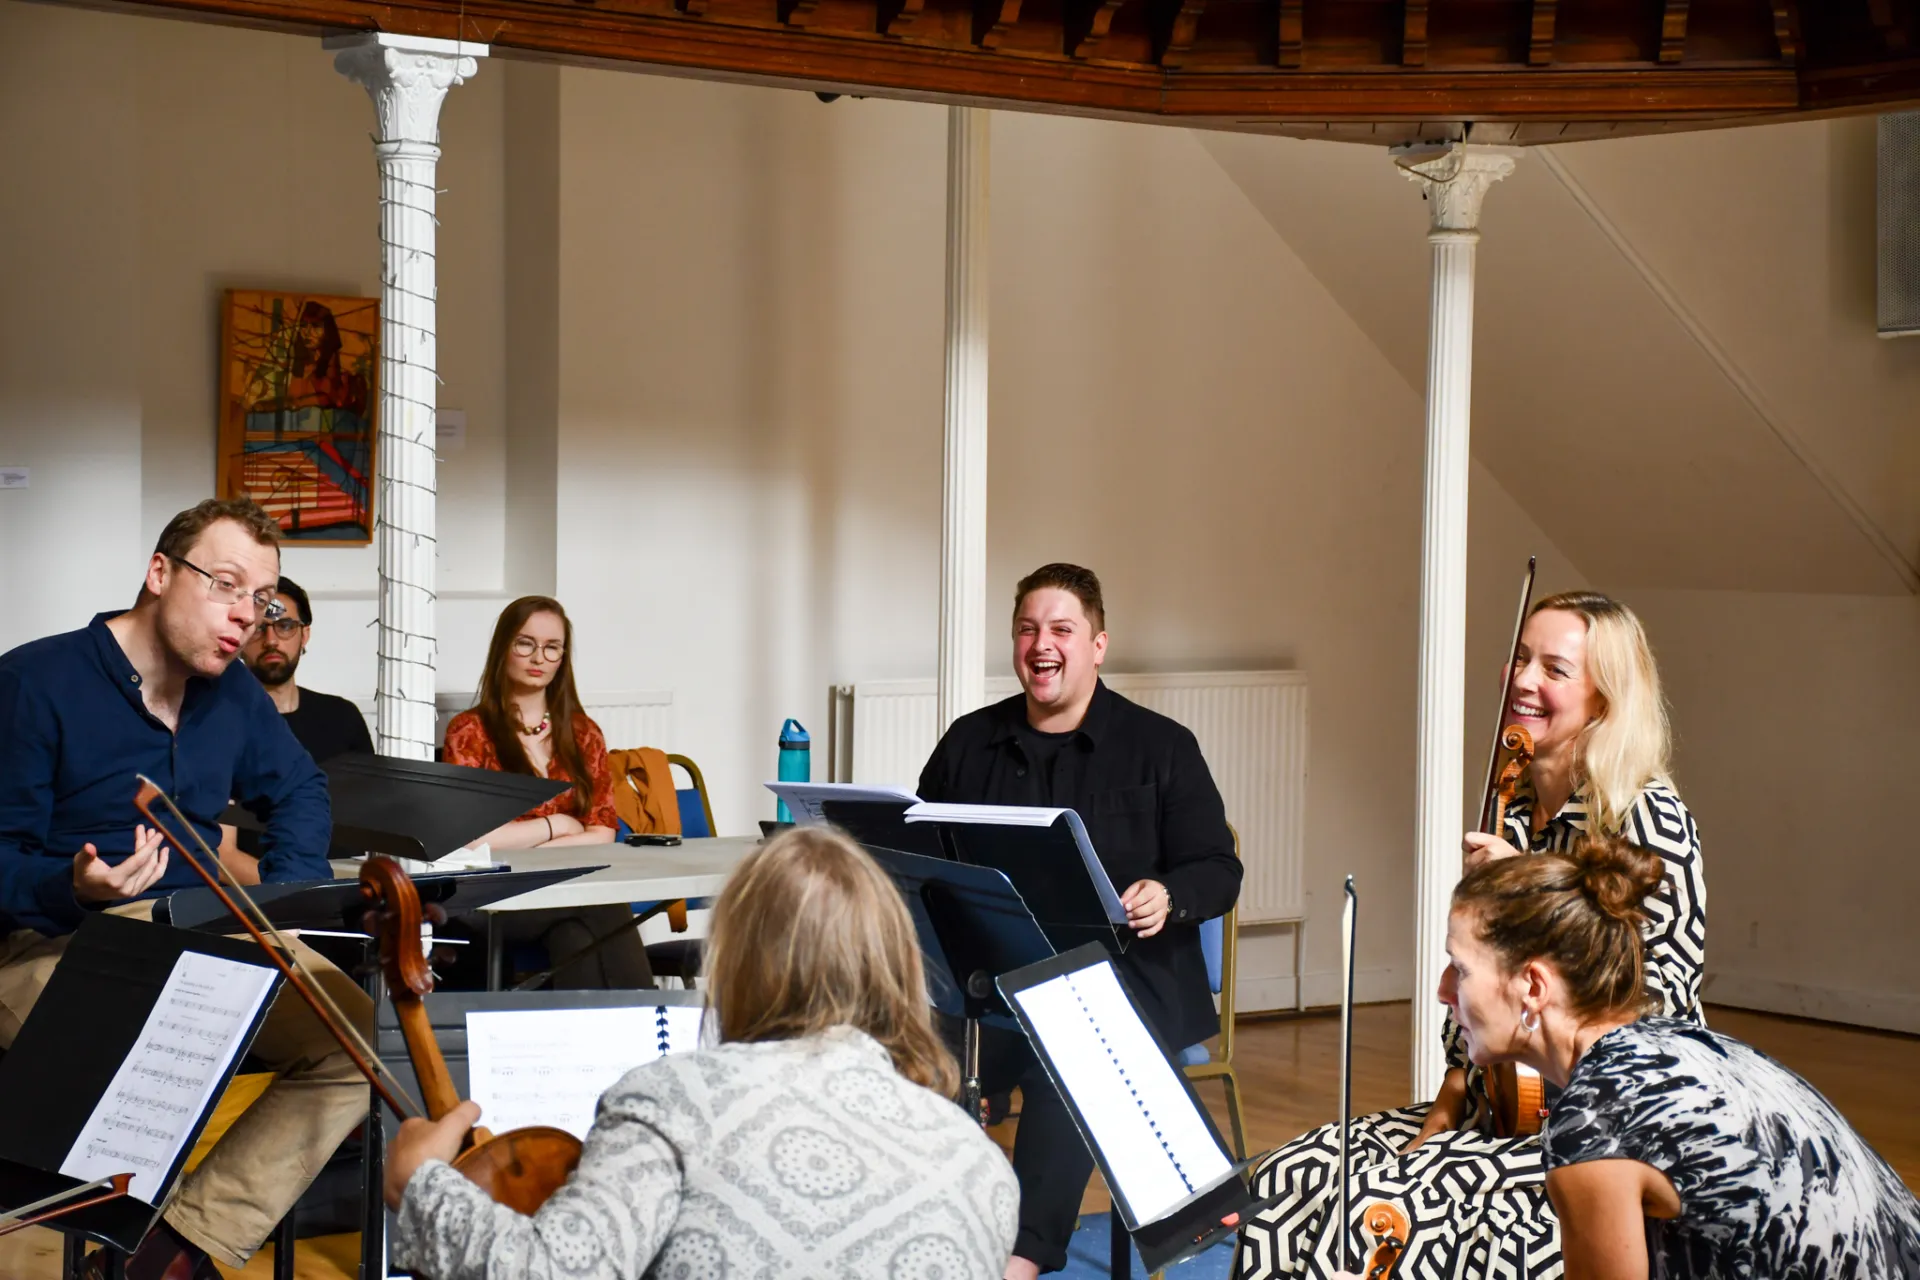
(1289,1069)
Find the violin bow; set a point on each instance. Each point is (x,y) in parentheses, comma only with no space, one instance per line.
(62,1203)
(1506,694)
(279,950)
(1347,913)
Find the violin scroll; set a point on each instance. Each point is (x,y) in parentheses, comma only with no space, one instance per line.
(1389,1227)
(395,916)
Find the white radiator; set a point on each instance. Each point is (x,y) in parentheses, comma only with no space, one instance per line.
(1251,725)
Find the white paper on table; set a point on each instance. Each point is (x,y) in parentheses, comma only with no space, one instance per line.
(804,799)
(1143,1120)
(1015,815)
(194,1032)
(550,1066)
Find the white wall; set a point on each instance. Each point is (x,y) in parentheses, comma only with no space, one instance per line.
(70,330)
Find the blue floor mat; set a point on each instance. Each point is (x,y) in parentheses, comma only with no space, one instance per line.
(1089,1250)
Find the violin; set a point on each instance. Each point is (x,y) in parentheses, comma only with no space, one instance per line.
(1515,1094)
(1389,1228)
(519,1169)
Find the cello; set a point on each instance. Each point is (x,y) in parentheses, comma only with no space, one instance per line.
(1516,1096)
(520,1168)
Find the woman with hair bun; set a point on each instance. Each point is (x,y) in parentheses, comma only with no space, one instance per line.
(1673,1151)
(1587,690)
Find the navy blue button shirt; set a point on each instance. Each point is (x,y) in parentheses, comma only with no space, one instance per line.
(74,732)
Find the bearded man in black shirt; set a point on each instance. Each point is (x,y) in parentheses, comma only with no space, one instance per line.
(1138,781)
(327,726)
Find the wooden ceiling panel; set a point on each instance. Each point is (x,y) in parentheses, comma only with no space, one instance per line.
(1562,68)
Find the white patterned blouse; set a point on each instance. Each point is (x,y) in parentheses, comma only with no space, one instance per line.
(786,1158)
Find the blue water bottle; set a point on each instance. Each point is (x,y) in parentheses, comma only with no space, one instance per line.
(796,760)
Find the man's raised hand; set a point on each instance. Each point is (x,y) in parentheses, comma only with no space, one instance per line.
(95,881)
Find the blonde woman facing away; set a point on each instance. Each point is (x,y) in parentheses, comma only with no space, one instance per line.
(817,1138)
(1586,688)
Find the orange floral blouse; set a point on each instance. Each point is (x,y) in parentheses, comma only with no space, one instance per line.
(468,744)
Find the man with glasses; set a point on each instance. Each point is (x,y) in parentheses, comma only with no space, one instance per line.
(155,691)
(326,725)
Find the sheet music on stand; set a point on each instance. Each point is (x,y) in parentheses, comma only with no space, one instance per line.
(550,1066)
(1174,1185)
(121,1062)
(203,1018)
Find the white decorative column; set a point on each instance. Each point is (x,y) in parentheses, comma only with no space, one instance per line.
(408,78)
(1455,180)
(963,499)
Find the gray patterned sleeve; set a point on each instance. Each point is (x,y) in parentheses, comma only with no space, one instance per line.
(606,1223)
(1676,931)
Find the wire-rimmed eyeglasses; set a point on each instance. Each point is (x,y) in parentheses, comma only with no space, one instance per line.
(227,591)
(526,647)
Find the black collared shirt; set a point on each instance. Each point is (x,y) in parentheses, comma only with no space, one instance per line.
(1139,782)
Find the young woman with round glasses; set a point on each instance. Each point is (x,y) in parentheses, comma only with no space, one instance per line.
(528,720)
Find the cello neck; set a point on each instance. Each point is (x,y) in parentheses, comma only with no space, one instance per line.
(423,1050)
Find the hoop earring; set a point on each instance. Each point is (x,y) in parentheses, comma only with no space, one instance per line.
(1529,1021)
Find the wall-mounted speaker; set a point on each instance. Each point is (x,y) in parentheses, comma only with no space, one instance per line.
(1899,219)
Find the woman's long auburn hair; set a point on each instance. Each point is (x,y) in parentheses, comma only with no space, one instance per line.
(809,934)
(1627,744)
(496,712)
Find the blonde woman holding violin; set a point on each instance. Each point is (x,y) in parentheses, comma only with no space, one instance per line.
(1586,689)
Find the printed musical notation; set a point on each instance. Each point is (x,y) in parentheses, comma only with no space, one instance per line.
(1144,1121)
(550,1066)
(194,1031)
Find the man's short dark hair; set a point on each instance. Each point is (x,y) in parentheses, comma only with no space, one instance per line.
(185,529)
(1083,583)
(293,591)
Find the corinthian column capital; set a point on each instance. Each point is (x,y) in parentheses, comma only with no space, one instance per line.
(1455,179)
(407,77)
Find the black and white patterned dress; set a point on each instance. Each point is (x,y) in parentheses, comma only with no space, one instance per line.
(1772,1181)
(1477,1203)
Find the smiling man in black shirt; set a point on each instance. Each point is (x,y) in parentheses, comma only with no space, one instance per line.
(1138,781)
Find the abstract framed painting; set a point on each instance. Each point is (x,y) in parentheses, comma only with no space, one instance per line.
(298,406)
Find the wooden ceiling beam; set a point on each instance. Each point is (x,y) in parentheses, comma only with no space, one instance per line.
(1892,31)
(1192,60)
(1786,30)
(1175,23)
(994,21)
(1540,38)
(1086,24)
(1292,37)
(1413,34)
(1673,32)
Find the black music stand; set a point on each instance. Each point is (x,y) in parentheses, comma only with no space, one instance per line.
(86,1023)
(1214,1205)
(418,809)
(973,926)
(336,904)
(1045,864)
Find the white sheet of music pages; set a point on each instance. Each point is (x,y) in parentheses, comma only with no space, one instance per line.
(550,1066)
(141,1122)
(1143,1119)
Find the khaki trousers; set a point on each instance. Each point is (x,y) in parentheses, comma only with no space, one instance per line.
(247,1183)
